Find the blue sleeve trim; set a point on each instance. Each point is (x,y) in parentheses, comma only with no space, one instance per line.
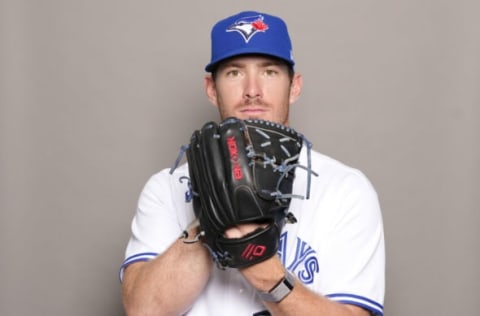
(366,303)
(144,256)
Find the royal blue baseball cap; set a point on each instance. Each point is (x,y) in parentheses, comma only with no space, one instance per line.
(250,32)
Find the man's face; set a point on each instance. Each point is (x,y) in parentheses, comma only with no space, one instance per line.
(253,87)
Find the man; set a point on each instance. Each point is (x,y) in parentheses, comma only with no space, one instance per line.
(334,254)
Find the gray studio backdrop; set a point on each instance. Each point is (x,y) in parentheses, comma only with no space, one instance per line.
(98,95)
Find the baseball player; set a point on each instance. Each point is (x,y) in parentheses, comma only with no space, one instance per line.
(306,238)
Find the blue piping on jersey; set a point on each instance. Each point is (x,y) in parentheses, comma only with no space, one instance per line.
(144,256)
(361,301)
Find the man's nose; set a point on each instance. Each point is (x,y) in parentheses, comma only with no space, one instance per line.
(252,88)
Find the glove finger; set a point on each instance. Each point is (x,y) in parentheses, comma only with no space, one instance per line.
(244,198)
(213,175)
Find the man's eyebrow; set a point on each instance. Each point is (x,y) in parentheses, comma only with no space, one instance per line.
(234,64)
(268,63)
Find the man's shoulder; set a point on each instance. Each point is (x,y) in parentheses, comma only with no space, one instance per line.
(331,170)
(168,176)
(328,163)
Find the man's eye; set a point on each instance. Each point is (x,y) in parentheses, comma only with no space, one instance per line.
(270,72)
(233,73)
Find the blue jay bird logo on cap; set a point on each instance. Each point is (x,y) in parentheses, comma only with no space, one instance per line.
(248,26)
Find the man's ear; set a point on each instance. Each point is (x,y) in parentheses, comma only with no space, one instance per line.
(210,89)
(296,88)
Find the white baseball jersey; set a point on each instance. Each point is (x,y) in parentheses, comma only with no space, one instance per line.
(336,248)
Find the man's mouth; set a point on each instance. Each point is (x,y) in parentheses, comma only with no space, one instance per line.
(252,110)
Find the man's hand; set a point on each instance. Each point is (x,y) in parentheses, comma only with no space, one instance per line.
(242,230)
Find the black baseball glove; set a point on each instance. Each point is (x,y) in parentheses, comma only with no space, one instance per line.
(242,171)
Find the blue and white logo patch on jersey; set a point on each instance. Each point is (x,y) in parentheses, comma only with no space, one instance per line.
(304,263)
(248,26)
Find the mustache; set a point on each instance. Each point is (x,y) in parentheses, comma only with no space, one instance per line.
(254,101)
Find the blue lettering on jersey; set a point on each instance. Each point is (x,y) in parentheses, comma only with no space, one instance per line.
(305,261)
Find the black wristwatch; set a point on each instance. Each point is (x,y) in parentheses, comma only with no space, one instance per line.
(280,290)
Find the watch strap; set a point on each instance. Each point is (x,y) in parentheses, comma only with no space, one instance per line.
(280,290)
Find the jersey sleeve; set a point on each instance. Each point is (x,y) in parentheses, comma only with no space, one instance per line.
(161,215)
(354,253)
